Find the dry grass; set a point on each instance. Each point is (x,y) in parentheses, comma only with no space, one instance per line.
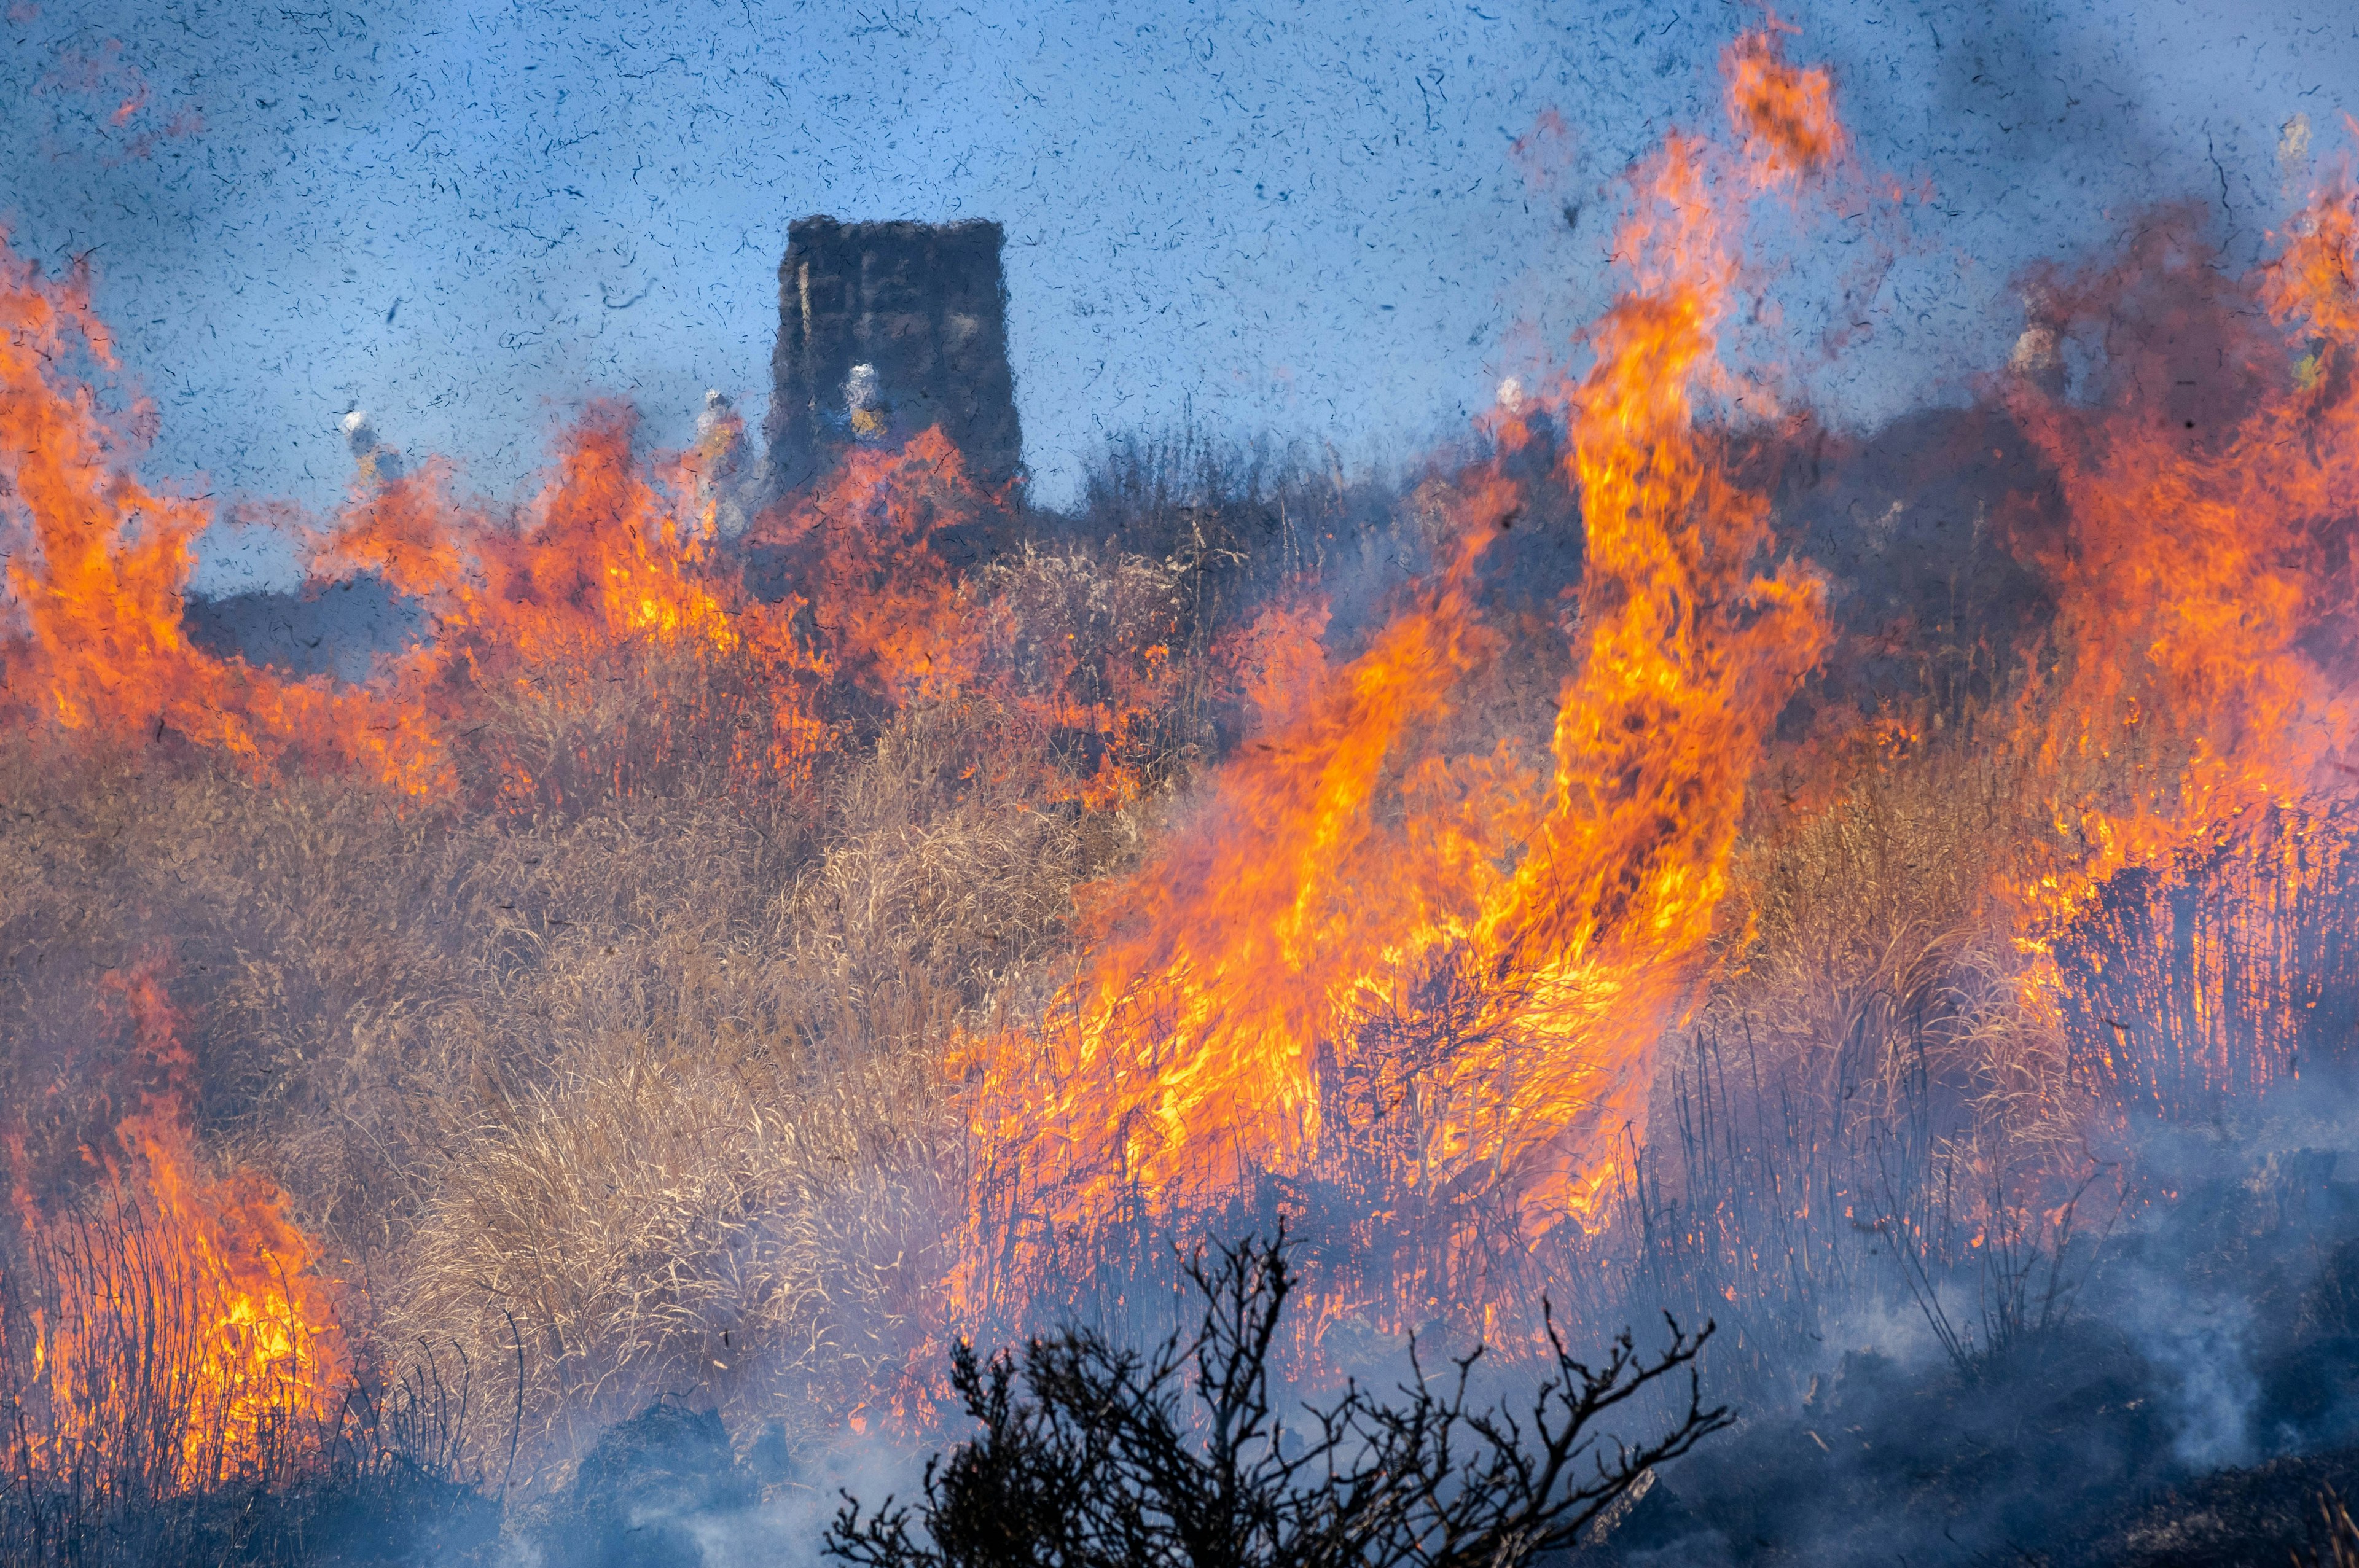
(642,1060)
(731,1175)
(1874,1081)
(1890,1099)
(2341,1547)
(647,1081)
(1874,948)
(639,1068)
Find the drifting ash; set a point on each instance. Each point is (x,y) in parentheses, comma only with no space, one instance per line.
(576,1092)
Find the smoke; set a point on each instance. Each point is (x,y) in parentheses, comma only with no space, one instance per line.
(2207,1338)
(1995,961)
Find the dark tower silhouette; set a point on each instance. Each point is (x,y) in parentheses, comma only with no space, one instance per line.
(885,328)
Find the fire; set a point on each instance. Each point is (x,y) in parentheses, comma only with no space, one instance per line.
(1785,113)
(2198,694)
(1362,935)
(609,577)
(173,1329)
(602,557)
(610,562)
(889,606)
(98,646)
(1689,658)
(1399,955)
(2194,571)
(896,623)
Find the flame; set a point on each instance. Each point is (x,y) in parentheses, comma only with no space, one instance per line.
(1358,917)
(180,1331)
(610,560)
(2198,697)
(2191,574)
(1396,951)
(894,613)
(99,648)
(1689,660)
(602,557)
(608,578)
(1784,114)
(898,625)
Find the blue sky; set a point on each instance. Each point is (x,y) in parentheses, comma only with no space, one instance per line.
(1308,221)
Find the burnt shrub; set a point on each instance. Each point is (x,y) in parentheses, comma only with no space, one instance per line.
(1093,1455)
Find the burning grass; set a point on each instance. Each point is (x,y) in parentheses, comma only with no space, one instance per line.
(729,971)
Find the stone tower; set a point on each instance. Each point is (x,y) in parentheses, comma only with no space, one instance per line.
(885,328)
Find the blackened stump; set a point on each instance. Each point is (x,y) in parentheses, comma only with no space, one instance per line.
(887,328)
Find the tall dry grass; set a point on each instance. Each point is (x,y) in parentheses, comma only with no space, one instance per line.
(736,1172)
(629,1083)
(1872,942)
(638,1069)
(1888,1101)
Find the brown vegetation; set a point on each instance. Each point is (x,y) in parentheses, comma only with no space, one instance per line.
(652,1080)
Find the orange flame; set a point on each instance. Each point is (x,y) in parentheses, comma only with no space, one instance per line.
(1784,114)
(180,1332)
(892,610)
(98,597)
(2195,571)
(610,566)
(1352,908)
(898,623)
(2203,633)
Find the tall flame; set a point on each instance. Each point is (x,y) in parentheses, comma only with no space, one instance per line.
(2194,568)
(177,1331)
(2202,639)
(1355,918)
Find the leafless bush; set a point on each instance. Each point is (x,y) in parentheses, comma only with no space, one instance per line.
(1229,519)
(1186,1456)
